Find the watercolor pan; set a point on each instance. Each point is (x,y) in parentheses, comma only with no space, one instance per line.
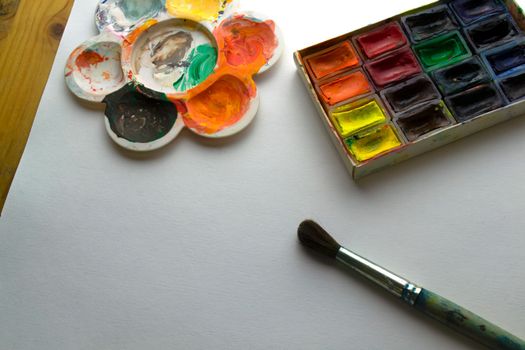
(422,120)
(442,51)
(406,95)
(460,76)
(453,77)
(492,32)
(393,68)
(381,40)
(357,116)
(471,11)
(506,60)
(430,23)
(373,143)
(333,60)
(345,87)
(514,86)
(475,101)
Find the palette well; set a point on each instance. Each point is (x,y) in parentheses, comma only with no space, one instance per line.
(514,86)
(345,87)
(492,32)
(161,66)
(419,80)
(462,75)
(357,116)
(395,67)
(442,51)
(471,11)
(381,40)
(430,23)
(406,95)
(335,59)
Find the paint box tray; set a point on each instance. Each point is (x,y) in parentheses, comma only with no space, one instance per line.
(382,91)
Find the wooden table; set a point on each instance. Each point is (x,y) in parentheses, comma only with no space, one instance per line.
(30,32)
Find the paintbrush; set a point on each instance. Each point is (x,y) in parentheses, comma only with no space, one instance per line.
(454,316)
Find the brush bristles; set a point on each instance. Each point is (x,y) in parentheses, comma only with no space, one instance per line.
(315,237)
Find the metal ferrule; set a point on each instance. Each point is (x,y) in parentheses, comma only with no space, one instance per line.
(393,283)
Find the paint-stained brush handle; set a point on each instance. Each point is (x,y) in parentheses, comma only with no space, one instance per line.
(463,321)
(466,322)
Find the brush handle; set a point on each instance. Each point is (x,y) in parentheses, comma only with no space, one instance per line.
(466,322)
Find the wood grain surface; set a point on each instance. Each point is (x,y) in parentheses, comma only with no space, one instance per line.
(30,32)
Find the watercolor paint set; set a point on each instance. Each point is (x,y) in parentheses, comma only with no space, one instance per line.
(419,80)
(161,66)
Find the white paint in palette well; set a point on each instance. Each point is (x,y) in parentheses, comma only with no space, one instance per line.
(158,77)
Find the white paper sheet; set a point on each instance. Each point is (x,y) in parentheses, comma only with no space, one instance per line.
(195,246)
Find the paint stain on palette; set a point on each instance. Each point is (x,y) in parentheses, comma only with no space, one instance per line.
(162,66)
(419,80)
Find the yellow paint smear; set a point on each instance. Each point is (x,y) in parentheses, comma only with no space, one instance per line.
(351,119)
(372,144)
(197,10)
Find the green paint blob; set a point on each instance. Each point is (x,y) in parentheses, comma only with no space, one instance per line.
(138,9)
(202,61)
(442,51)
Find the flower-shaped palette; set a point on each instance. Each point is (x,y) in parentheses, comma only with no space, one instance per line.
(163,65)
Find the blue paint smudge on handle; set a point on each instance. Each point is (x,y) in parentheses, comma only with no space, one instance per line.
(466,322)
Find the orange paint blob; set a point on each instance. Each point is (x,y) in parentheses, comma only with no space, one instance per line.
(344,88)
(88,58)
(134,35)
(223,104)
(246,42)
(333,60)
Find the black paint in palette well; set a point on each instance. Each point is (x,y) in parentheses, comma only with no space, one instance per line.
(462,75)
(424,119)
(137,118)
(514,87)
(507,59)
(410,93)
(428,24)
(492,32)
(475,101)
